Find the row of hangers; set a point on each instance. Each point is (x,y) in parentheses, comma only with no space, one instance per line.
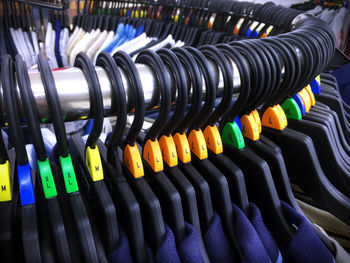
(85,185)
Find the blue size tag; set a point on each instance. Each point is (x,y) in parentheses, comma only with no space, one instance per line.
(300,103)
(238,122)
(315,86)
(25,182)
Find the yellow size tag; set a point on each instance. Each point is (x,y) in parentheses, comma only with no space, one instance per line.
(311,95)
(197,144)
(5,182)
(257,119)
(249,127)
(182,147)
(153,155)
(213,139)
(132,160)
(275,118)
(168,148)
(306,99)
(94,164)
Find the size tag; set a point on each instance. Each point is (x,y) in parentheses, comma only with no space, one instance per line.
(182,147)
(213,139)
(47,179)
(132,160)
(291,109)
(311,95)
(306,99)
(257,119)
(94,164)
(232,135)
(69,177)
(26,190)
(168,148)
(5,182)
(249,127)
(153,155)
(238,26)
(274,118)
(197,144)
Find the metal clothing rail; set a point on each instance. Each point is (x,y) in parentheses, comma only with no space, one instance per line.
(73,90)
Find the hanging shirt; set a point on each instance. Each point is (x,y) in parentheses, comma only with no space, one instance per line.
(121,254)
(217,244)
(251,248)
(57,42)
(265,236)
(189,250)
(305,246)
(166,253)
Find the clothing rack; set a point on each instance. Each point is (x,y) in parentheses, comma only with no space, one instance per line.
(75,102)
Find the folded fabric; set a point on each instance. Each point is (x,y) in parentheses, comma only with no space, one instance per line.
(189,250)
(121,254)
(166,253)
(249,244)
(264,234)
(305,246)
(217,244)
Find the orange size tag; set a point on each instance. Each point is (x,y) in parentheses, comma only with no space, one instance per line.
(182,147)
(153,155)
(257,119)
(274,118)
(249,127)
(132,160)
(306,99)
(168,148)
(311,95)
(213,139)
(197,144)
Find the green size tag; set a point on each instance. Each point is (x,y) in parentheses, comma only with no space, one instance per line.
(232,135)
(47,179)
(291,109)
(70,180)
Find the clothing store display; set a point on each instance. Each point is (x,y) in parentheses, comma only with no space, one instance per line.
(174,131)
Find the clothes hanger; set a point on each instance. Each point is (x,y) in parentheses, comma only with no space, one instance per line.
(150,207)
(216,180)
(252,165)
(47,184)
(168,147)
(205,209)
(123,197)
(212,136)
(167,194)
(71,197)
(25,215)
(87,157)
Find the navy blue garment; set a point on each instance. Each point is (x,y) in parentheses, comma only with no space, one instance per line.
(166,253)
(249,244)
(121,254)
(217,244)
(264,234)
(305,246)
(189,250)
(57,42)
(343,80)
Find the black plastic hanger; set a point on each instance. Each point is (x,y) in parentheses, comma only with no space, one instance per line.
(167,194)
(48,191)
(231,171)
(123,197)
(150,207)
(201,186)
(26,209)
(87,157)
(71,197)
(216,180)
